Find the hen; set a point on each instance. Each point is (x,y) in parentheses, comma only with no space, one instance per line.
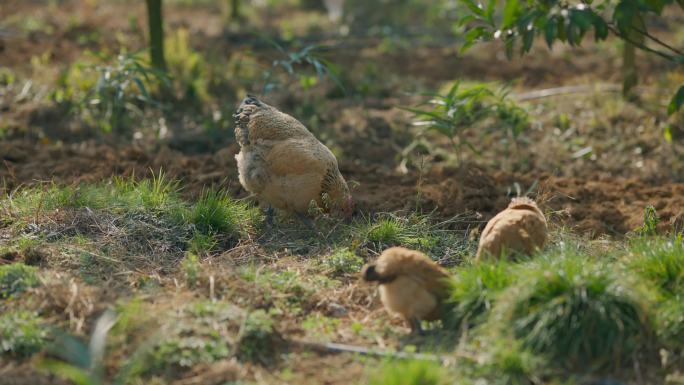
(519,229)
(410,284)
(284,165)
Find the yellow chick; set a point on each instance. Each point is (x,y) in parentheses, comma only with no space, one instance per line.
(411,285)
(284,165)
(519,229)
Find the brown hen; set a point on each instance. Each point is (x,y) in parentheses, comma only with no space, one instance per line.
(519,229)
(410,283)
(284,165)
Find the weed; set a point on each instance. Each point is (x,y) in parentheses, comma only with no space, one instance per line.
(579,313)
(474,292)
(321,326)
(650,226)
(215,212)
(660,261)
(192,268)
(189,68)
(394,231)
(257,337)
(117,96)
(16,278)
(461,109)
(412,372)
(21,333)
(202,243)
(343,261)
(196,335)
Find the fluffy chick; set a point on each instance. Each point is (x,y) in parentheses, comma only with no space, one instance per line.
(283,164)
(411,285)
(519,229)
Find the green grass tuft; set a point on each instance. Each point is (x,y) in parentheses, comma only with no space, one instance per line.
(578,313)
(410,373)
(215,212)
(15,278)
(474,292)
(257,337)
(343,261)
(21,334)
(661,262)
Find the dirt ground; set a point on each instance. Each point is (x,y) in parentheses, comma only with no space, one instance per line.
(592,205)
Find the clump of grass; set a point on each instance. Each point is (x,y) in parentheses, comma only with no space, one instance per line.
(15,278)
(474,292)
(413,372)
(192,269)
(216,213)
(395,231)
(578,313)
(651,220)
(197,335)
(660,261)
(506,362)
(343,261)
(21,333)
(157,193)
(670,322)
(257,337)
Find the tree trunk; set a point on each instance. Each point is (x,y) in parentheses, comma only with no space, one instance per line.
(156,30)
(629,72)
(235,10)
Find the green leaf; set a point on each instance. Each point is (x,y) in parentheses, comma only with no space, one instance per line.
(600,28)
(624,14)
(550,32)
(475,33)
(508,47)
(465,20)
(528,38)
(562,36)
(676,102)
(474,7)
(511,10)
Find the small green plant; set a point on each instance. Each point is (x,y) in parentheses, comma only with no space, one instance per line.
(16,278)
(215,212)
(188,68)
(192,269)
(651,220)
(197,334)
(290,61)
(392,230)
(257,337)
(578,313)
(474,292)
(343,261)
(21,333)
(413,372)
(457,113)
(117,98)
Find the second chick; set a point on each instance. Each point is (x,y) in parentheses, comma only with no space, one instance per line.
(410,283)
(519,229)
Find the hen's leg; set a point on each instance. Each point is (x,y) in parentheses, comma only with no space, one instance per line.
(415,326)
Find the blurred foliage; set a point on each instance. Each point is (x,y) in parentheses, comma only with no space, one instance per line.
(517,23)
(465,109)
(112,94)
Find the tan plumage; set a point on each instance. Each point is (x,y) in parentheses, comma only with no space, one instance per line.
(410,283)
(284,164)
(519,229)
